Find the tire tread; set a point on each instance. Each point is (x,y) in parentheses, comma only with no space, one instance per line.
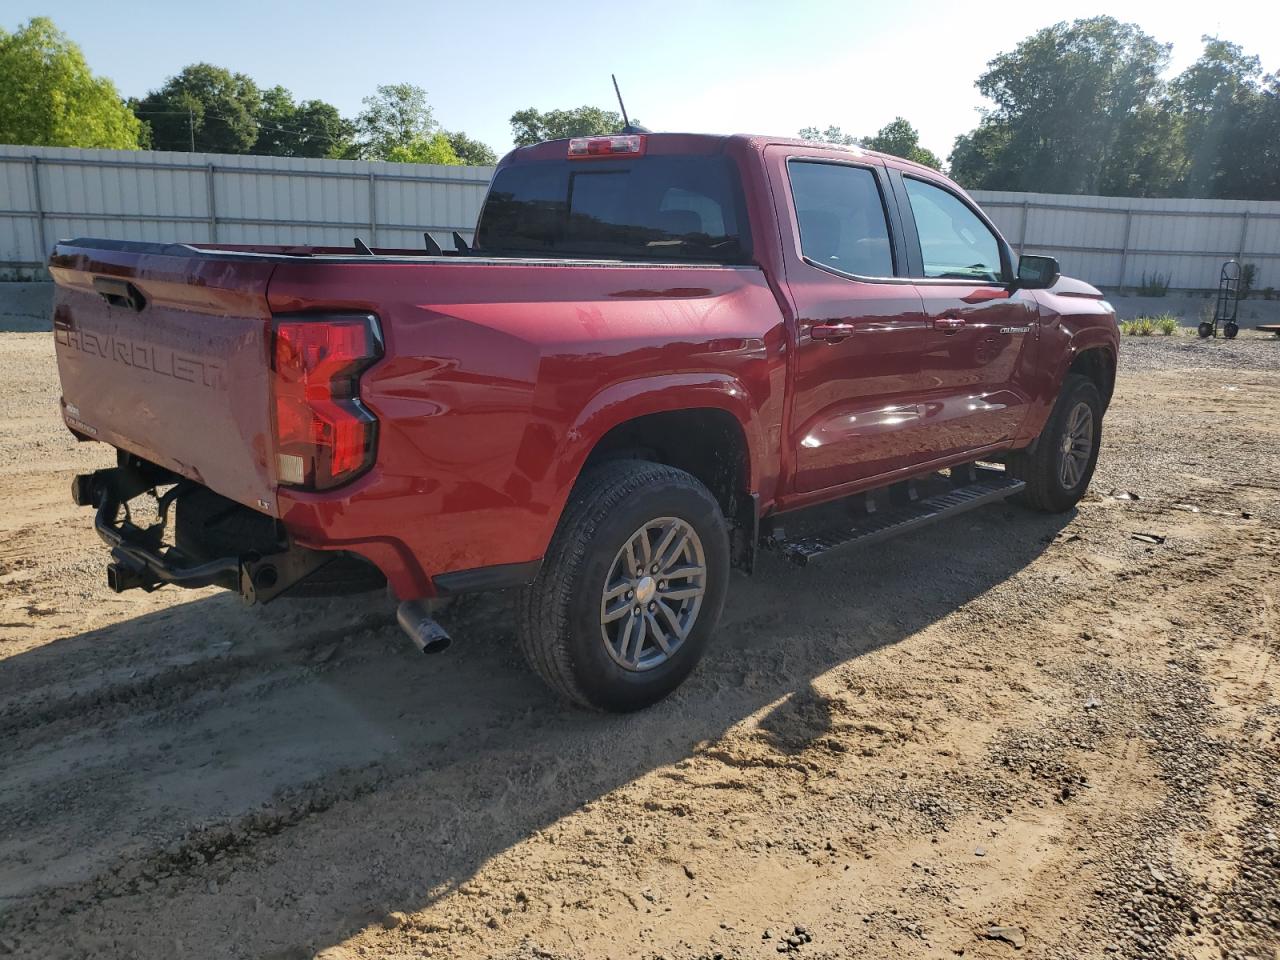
(1037,466)
(542,608)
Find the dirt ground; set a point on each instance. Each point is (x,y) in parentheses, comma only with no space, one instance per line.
(1041,724)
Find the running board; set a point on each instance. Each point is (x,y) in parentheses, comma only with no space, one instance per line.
(874,527)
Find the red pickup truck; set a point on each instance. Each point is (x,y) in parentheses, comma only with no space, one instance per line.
(657,352)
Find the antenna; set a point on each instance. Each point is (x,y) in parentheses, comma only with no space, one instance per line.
(626,123)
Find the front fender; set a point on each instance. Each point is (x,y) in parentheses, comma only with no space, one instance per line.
(1064,337)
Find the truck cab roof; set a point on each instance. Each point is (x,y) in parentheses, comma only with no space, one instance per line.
(711,143)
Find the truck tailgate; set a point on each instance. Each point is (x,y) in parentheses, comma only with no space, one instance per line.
(164,351)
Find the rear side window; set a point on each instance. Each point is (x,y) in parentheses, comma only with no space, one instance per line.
(954,242)
(841,216)
(650,208)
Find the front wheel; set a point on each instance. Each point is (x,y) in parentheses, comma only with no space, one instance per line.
(1205,330)
(1059,468)
(630,589)
(1230,329)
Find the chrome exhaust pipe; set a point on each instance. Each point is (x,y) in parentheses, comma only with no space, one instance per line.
(414,617)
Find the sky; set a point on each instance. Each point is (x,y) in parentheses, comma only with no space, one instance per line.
(710,66)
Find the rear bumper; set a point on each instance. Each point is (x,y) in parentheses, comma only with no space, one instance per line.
(141,560)
(427,544)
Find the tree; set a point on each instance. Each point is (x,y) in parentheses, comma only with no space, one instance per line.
(1066,100)
(398,115)
(976,157)
(472,152)
(1215,99)
(1259,135)
(901,139)
(531,126)
(434,148)
(312,128)
(49,98)
(830,135)
(1147,156)
(204,108)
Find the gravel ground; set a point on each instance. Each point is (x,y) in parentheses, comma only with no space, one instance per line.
(1251,350)
(1010,735)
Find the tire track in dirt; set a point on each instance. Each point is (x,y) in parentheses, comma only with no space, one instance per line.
(193,779)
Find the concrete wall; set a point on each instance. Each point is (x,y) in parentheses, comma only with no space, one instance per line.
(1190,310)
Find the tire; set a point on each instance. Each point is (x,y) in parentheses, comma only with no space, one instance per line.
(560,615)
(1205,330)
(1230,329)
(1042,466)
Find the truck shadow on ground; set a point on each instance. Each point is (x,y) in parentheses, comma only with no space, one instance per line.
(295,773)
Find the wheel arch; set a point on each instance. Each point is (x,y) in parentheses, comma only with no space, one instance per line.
(1098,363)
(707,442)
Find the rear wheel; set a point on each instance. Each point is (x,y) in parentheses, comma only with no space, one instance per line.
(631,587)
(1230,329)
(1059,468)
(1205,330)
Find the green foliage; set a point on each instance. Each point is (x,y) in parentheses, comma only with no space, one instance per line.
(1248,277)
(49,98)
(830,135)
(901,139)
(1212,100)
(425,149)
(472,152)
(1166,324)
(1156,285)
(397,116)
(1140,327)
(205,108)
(312,128)
(898,137)
(1066,100)
(531,126)
(1080,108)
(398,124)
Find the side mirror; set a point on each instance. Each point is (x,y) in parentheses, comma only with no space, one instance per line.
(1037,273)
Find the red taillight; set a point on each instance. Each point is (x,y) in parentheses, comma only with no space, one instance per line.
(630,145)
(324,435)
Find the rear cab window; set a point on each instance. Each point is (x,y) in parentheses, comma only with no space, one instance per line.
(661,208)
(842,219)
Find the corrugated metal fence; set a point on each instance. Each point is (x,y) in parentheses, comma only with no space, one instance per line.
(1114,241)
(50,193)
(47,193)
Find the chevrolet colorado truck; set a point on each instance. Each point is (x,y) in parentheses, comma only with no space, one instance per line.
(660,354)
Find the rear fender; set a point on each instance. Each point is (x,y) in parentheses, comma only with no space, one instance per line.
(632,399)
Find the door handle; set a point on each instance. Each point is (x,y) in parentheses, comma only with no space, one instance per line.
(831,332)
(948,324)
(119,293)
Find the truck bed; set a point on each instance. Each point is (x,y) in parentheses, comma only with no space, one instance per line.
(498,375)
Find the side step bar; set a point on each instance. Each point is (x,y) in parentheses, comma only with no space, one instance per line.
(988,486)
